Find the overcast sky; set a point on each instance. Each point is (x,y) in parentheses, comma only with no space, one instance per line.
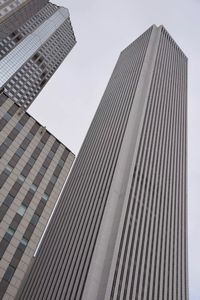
(103,28)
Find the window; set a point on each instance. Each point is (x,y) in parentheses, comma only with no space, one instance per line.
(20,151)
(53,179)
(35,56)
(9,273)
(43,82)
(31,161)
(24,241)
(8,169)
(61,163)
(41,145)
(9,199)
(19,127)
(22,209)
(33,188)
(21,178)
(30,136)
(9,234)
(45,196)
(7,116)
(35,219)
(51,154)
(8,141)
(42,170)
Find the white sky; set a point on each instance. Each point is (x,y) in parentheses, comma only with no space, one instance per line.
(103,28)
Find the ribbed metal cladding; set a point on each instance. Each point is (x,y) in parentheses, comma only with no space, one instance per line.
(151,260)
(120,228)
(64,257)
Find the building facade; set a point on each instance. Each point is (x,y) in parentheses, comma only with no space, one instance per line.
(14,13)
(120,228)
(33,48)
(8,7)
(34,166)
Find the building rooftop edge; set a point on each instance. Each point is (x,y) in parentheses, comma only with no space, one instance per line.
(24,111)
(157,27)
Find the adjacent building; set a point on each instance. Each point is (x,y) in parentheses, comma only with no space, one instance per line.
(35,37)
(34,166)
(34,41)
(119,230)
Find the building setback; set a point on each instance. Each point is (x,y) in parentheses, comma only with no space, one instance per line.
(34,166)
(34,42)
(120,228)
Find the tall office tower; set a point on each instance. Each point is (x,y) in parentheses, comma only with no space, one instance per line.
(34,49)
(34,166)
(120,228)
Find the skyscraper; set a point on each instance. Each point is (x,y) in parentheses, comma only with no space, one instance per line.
(35,40)
(120,228)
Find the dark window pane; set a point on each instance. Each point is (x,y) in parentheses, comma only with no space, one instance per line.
(14,160)
(43,170)
(3,210)
(3,123)
(8,169)
(55,146)
(15,221)
(9,273)
(8,142)
(13,134)
(45,196)
(20,151)
(24,241)
(45,137)
(35,219)
(30,136)
(57,171)
(61,163)
(22,209)
(47,162)
(3,97)
(35,128)
(53,179)
(13,109)
(3,149)
(31,161)
(24,119)
(51,154)
(21,178)
(9,234)
(65,154)
(3,177)
(33,188)
(19,126)
(7,116)
(41,145)
(8,200)
(25,144)
(36,153)
(14,262)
